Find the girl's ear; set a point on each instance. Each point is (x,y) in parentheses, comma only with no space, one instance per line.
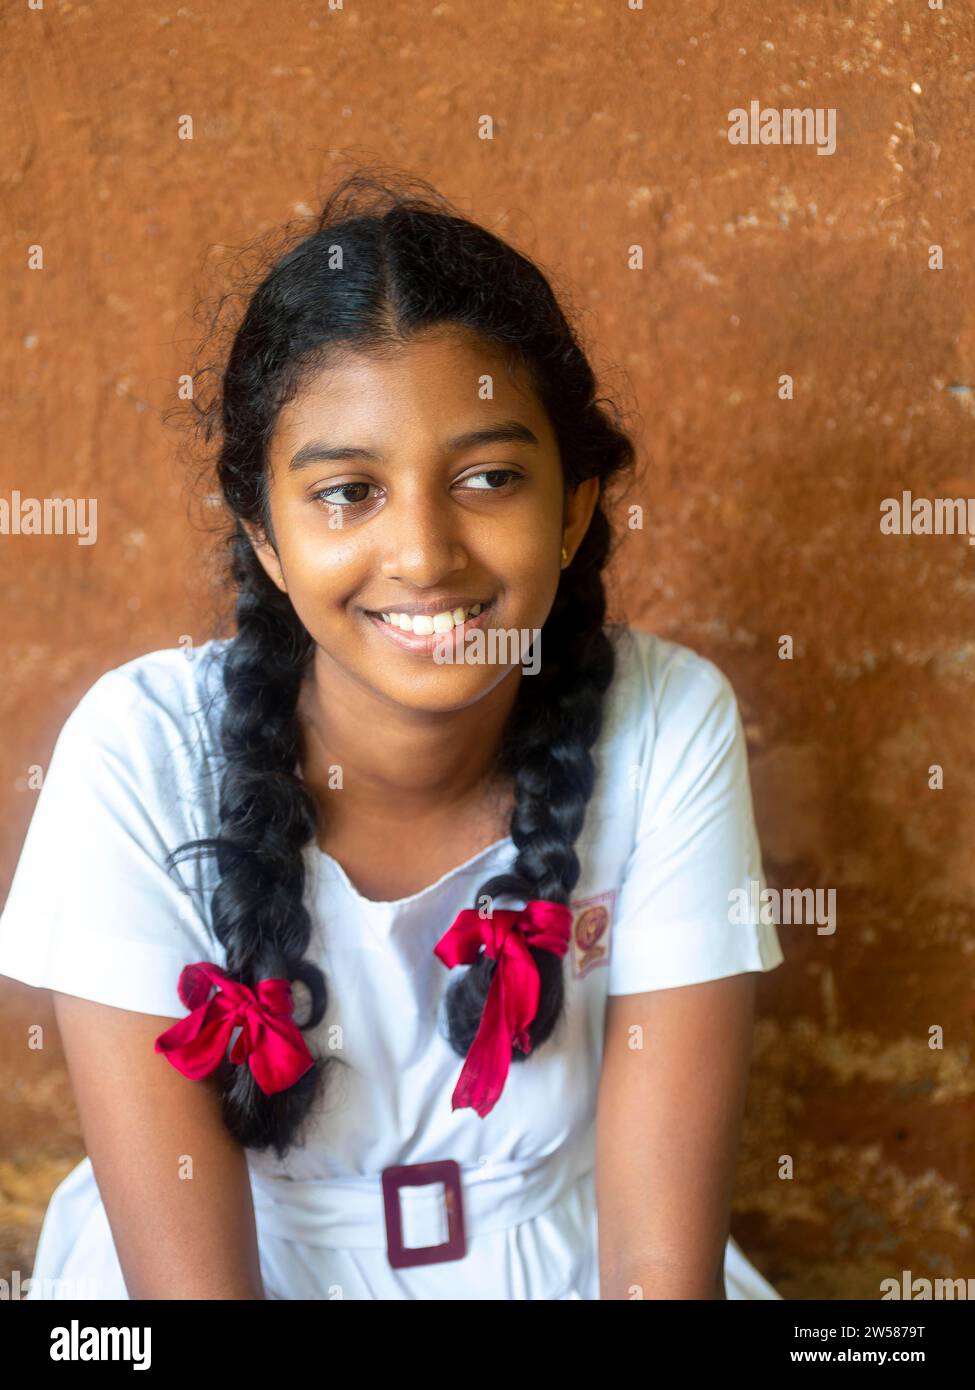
(267,555)
(577,513)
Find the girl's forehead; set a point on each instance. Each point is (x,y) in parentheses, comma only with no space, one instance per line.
(444,349)
(448,387)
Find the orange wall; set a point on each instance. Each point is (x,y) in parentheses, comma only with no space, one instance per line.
(610,129)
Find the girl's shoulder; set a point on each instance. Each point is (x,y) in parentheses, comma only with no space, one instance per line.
(155,704)
(663,689)
(146,733)
(675,802)
(183,682)
(95,907)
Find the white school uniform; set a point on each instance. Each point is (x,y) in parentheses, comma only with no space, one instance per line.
(669,834)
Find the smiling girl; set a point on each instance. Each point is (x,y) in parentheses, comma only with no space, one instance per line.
(389,964)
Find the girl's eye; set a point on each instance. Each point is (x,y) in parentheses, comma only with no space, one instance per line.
(495,473)
(326,493)
(330,494)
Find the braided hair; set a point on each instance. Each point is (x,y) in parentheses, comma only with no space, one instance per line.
(410,261)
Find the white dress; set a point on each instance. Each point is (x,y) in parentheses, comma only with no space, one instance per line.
(669,834)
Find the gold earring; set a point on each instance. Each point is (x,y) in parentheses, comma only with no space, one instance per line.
(564,555)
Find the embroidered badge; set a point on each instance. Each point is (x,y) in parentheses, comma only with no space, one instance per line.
(592,919)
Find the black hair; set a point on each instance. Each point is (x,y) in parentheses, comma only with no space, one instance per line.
(409,261)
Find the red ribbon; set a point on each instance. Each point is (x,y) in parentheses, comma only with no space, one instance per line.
(270,1041)
(513,995)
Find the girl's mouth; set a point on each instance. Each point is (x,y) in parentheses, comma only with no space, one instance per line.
(425,643)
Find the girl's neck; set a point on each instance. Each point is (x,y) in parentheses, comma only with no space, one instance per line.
(395,765)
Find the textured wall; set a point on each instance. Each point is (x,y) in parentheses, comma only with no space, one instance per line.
(610,130)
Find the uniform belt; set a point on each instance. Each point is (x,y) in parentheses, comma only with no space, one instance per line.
(350,1213)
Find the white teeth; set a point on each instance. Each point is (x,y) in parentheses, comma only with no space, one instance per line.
(424,624)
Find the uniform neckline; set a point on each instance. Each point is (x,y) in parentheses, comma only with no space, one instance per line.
(396,903)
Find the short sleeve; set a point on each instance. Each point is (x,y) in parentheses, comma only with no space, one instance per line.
(93,910)
(696,846)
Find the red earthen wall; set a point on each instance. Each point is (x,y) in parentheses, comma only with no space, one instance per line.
(762,513)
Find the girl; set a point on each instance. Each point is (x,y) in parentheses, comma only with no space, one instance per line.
(390,939)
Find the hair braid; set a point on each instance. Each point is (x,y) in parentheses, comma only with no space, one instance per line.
(267,817)
(546,752)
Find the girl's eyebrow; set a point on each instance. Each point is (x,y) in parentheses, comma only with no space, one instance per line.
(504,432)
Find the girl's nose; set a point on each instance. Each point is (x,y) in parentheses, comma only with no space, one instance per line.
(423,545)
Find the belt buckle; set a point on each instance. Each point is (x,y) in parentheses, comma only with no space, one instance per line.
(400,1175)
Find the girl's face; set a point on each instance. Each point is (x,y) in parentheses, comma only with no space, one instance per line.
(379,503)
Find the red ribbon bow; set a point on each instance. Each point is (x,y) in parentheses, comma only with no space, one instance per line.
(512,998)
(270,1041)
